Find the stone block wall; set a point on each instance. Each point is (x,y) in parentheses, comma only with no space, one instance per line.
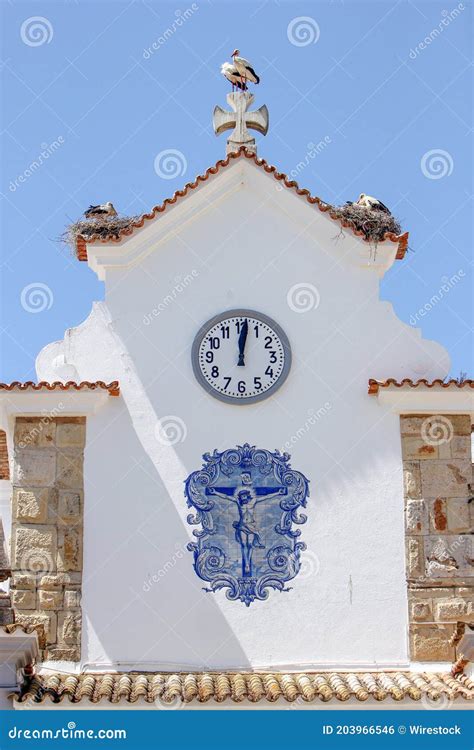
(4,467)
(47,530)
(438,526)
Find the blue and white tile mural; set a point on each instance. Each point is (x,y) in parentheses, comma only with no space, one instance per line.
(247,501)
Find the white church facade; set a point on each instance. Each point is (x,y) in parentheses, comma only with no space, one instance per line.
(242,480)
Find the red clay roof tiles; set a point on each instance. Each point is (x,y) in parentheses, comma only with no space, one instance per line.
(113,388)
(375,385)
(163,689)
(82,242)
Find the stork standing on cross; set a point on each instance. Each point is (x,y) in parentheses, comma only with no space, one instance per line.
(244,69)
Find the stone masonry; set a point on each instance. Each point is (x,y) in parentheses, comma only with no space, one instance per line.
(47,531)
(438,530)
(4,468)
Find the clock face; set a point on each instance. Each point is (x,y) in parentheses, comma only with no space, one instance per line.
(241,356)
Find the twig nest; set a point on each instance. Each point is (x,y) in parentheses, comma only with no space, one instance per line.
(374,224)
(105,228)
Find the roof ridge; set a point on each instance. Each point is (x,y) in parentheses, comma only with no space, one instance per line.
(82,242)
(57,385)
(374,385)
(165,688)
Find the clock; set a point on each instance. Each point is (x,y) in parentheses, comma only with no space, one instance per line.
(241,356)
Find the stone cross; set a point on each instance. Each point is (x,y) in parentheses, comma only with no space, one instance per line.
(239,120)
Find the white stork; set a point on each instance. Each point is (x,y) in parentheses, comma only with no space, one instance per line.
(244,69)
(368,201)
(230,72)
(104,209)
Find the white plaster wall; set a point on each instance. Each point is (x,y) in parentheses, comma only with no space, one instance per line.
(5,508)
(347,607)
(6,518)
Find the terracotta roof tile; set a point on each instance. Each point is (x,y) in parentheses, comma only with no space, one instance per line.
(82,242)
(113,388)
(254,687)
(375,385)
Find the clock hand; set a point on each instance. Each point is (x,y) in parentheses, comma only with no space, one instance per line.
(242,342)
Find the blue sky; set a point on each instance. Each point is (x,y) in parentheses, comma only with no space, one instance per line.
(395,112)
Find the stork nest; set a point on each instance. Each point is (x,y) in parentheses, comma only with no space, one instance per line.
(99,226)
(374,224)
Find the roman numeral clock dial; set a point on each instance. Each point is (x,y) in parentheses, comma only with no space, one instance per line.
(241,356)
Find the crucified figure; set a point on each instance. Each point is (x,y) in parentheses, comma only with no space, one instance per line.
(246,531)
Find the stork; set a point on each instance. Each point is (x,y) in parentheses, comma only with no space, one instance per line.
(103,209)
(230,72)
(368,201)
(244,69)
